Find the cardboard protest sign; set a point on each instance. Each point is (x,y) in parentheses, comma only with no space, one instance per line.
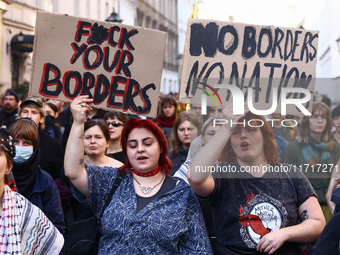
(119,66)
(264,63)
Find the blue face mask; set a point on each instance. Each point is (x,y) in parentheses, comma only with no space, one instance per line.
(22,153)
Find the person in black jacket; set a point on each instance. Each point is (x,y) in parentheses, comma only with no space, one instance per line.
(52,154)
(10,111)
(328,242)
(31,181)
(51,128)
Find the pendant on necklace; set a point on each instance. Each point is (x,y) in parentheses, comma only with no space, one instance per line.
(145,190)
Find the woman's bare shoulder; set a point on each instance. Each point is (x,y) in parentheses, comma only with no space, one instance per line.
(114,163)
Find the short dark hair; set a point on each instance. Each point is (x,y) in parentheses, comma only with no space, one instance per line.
(119,115)
(53,106)
(168,99)
(25,128)
(101,124)
(335,112)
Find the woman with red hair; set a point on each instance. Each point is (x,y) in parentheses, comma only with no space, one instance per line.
(150,212)
(258,205)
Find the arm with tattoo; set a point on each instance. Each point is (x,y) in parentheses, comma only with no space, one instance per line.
(304,215)
(312,223)
(74,153)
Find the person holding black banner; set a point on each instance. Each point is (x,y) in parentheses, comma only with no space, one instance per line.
(258,206)
(150,212)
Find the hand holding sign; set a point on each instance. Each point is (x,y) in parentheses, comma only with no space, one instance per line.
(79,107)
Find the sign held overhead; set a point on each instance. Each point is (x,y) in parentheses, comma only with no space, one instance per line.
(119,66)
(254,58)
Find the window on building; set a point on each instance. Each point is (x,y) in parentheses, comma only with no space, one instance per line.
(147,22)
(163,89)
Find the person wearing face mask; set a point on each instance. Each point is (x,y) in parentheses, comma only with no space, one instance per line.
(52,154)
(32,182)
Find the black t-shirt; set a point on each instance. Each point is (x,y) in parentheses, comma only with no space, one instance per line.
(118,156)
(168,184)
(245,209)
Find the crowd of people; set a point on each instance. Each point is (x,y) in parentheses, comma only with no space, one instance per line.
(60,162)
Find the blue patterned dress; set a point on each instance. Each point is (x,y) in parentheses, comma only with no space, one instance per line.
(170,224)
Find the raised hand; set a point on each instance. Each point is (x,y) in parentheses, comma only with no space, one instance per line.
(79,107)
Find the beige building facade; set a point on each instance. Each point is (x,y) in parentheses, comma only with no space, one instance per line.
(162,15)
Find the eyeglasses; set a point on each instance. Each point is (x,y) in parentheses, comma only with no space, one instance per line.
(114,123)
(317,116)
(248,130)
(210,133)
